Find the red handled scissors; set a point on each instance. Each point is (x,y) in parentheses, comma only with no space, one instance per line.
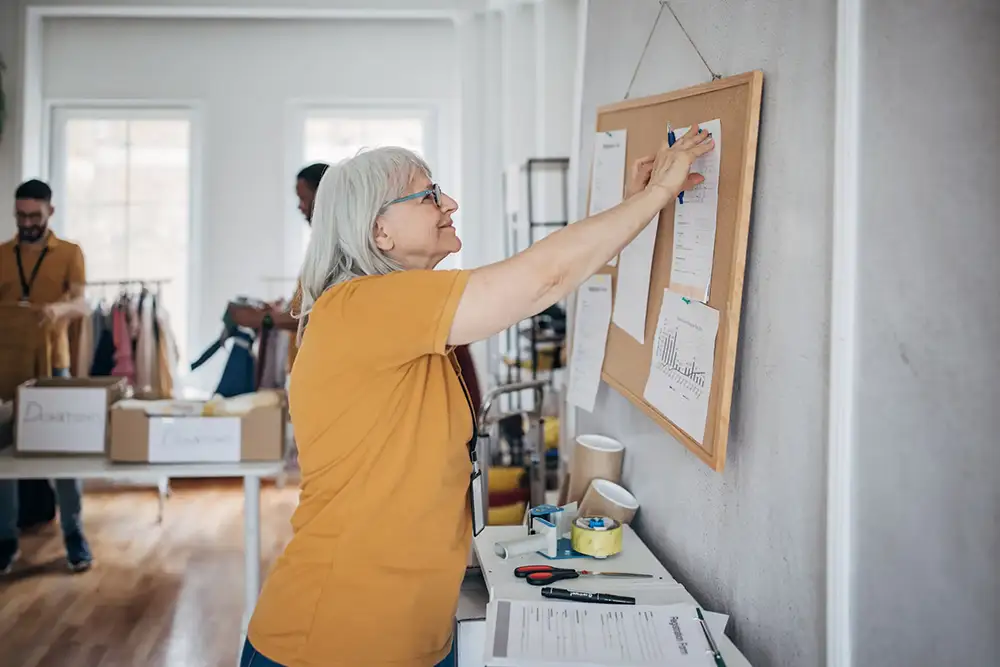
(543,575)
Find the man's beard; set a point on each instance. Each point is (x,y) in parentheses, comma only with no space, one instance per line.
(31,234)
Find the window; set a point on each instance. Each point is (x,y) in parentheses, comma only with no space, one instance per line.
(123,182)
(331,135)
(331,138)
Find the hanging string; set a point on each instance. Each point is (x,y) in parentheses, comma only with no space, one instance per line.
(649,38)
(693,45)
(642,55)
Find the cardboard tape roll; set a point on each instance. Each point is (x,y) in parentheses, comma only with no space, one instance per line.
(605,498)
(594,457)
(596,536)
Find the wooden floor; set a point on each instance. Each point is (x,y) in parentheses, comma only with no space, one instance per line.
(159,595)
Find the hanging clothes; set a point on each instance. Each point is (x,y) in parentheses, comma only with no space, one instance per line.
(132,338)
(238,375)
(122,338)
(104,348)
(145,347)
(168,357)
(274,360)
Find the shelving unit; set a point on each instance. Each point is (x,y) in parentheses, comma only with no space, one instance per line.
(536,203)
(524,224)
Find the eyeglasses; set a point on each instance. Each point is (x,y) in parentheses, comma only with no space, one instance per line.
(434,191)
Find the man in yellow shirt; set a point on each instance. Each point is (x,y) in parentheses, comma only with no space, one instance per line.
(40,270)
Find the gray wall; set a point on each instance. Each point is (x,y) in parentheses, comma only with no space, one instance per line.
(927,526)
(749,541)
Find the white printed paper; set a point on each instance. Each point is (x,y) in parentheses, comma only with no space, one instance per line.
(695,222)
(632,290)
(680,371)
(590,336)
(607,180)
(548,633)
(194,439)
(64,419)
(471,643)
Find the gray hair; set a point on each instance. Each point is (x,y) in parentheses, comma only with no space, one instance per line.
(351,195)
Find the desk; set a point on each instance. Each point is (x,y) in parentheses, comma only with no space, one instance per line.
(70,467)
(635,557)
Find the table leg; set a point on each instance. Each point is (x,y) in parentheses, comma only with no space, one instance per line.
(163,489)
(251,551)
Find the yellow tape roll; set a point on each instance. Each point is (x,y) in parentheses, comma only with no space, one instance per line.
(597,536)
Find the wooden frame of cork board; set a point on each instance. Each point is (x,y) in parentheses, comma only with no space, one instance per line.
(735,101)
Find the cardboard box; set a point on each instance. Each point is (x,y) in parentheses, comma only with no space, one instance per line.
(140,437)
(65,415)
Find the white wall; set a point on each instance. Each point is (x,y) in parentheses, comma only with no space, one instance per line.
(12,16)
(749,541)
(927,502)
(245,73)
(10,145)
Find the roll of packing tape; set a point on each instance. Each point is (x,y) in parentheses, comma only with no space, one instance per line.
(597,536)
(605,498)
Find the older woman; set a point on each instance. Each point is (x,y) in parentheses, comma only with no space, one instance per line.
(382,419)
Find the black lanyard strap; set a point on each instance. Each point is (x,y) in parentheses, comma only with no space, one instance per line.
(27,283)
(457,367)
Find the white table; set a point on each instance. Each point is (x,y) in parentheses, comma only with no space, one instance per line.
(71,467)
(635,557)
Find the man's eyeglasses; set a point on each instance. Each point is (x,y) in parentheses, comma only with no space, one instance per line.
(434,191)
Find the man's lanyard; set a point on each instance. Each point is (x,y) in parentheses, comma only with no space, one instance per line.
(26,283)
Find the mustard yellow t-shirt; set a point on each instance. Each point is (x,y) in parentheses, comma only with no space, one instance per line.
(382,531)
(61,269)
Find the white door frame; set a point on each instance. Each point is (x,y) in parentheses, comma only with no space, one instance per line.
(58,110)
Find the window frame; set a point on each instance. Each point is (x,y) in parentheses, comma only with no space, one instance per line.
(59,111)
(438,151)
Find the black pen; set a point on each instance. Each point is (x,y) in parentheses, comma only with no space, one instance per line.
(713,648)
(584,596)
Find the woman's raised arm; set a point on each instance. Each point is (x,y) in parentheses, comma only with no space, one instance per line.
(501,294)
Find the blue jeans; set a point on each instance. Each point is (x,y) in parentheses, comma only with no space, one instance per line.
(253,658)
(68,493)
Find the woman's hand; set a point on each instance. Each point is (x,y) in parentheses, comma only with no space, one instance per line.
(499,295)
(670,172)
(638,175)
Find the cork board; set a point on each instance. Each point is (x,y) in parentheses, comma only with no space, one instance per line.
(735,101)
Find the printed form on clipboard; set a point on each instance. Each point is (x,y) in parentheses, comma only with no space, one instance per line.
(543,633)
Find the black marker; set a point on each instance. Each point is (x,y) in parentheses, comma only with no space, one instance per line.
(584,596)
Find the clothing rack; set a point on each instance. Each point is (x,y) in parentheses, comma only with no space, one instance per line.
(123,284)
(127,281)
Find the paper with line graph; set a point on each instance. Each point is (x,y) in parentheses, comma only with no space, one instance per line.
(680,370)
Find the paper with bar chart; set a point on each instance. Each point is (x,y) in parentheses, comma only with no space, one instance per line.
(680,371)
